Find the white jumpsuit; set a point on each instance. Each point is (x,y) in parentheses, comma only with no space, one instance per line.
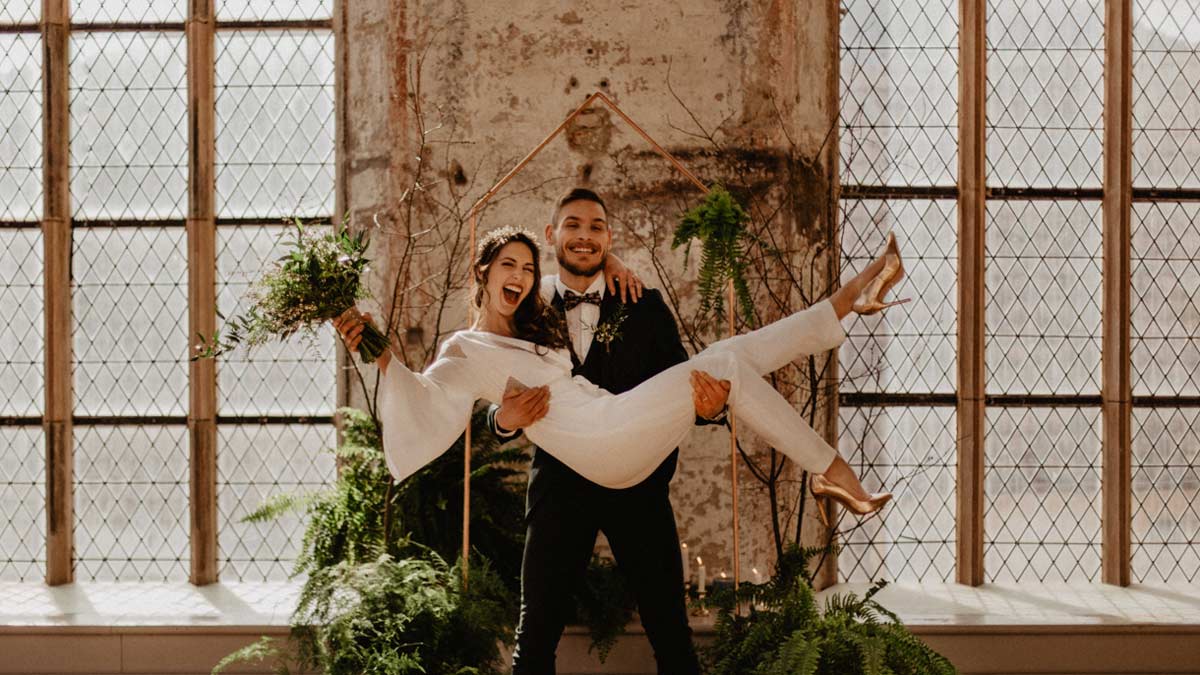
(615,440)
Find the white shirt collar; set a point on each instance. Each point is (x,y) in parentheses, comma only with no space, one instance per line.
(596,286)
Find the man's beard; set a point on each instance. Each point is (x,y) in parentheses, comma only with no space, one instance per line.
(577,270)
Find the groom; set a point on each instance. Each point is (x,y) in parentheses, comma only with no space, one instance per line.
(617,346)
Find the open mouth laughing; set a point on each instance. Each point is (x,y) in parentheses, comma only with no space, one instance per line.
(512,293)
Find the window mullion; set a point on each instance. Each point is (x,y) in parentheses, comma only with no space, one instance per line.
(56,237)
(202,304)
(1116,388)
(971,217)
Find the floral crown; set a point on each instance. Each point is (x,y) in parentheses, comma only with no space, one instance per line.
(506,232)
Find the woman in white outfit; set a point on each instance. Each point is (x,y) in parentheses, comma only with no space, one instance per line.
(610,439)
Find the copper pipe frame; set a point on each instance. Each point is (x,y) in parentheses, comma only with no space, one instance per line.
(472,218)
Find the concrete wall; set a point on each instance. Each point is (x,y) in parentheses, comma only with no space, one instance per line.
(742,91)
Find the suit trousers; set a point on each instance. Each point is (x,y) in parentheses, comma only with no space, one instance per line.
(560,536)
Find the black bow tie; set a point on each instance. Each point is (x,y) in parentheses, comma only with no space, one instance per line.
(571,299)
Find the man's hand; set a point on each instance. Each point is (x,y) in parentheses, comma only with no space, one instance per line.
(709,394)
(615,271)
(520,408)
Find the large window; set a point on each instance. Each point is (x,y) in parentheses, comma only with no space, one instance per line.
(128,177)
(1044,310)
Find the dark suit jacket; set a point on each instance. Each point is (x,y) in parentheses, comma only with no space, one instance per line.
(647,344)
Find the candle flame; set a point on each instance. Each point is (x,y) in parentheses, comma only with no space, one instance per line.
(722,575)
(699,561)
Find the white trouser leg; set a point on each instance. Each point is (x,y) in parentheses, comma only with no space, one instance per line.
(767,349)
(767,413)
(620,440)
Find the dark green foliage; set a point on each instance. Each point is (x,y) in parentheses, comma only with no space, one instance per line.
(316,281)
(378,596)
(394,617)
(787,633)
(719,222)
(407,615)
(603,603)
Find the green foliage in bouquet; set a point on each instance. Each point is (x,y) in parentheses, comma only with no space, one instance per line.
(719,223)
(395,616)
(786,633)
(319,278)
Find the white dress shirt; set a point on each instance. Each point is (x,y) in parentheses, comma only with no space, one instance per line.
(582,318)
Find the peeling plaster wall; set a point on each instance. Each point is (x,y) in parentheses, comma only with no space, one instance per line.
(757,76)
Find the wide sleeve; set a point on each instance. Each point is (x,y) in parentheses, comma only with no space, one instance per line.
(424,413)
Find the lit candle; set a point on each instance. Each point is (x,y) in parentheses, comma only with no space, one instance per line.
(687,564)
(700,571)
(758,578)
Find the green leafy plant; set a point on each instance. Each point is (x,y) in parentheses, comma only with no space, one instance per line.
(785,631)
(378,596)
(719,223)
(318,280)
(604,603)
(395,616)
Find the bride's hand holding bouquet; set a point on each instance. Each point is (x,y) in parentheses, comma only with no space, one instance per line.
(319,280)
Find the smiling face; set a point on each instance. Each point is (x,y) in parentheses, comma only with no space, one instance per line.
(581,238)
(510,277)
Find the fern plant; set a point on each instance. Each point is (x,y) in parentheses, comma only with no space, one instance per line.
(394,616)
(786,633)
(719,224)
(378,596)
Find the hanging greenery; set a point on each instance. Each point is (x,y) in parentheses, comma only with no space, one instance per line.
(719,223)
(785,632)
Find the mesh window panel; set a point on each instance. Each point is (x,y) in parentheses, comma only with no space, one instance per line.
(127,11)
(1165,354)
(910,451)
(275,127)
(131,503)
(128,125)
(261,461)
(1043,302)
(1042,494)
(899,92)
(22,340)
(1166,102)
(910,348)
(1166,495)
(20,126)
(130,307)
(23,498)
(20,11)
(296,377)
(273,10)
(1165,349)
(1045,107)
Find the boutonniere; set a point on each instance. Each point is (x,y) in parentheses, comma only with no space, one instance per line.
(609,330)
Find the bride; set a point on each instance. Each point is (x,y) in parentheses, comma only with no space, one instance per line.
(613,440)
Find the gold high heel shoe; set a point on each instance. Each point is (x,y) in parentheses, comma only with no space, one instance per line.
(823,488)
(871,300)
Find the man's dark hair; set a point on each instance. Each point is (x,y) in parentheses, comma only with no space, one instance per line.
(577,194)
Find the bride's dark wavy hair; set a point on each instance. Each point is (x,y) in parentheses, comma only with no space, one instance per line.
(535,320)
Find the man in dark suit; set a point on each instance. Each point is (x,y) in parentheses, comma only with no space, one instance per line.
(616,345)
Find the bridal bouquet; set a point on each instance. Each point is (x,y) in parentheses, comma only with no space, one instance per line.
(318,280)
